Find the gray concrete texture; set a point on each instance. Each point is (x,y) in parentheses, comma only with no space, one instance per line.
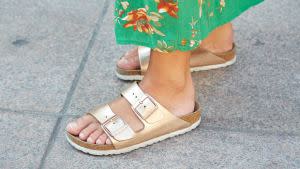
(57,61)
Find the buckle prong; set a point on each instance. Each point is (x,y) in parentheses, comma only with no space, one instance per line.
(141,103)
(111,120)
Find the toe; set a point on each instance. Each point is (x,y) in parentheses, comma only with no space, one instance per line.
(94,136)
(108,141)
(102,139)
(123,63)
(75,127)
(129,60)
(86,132)
(72,128)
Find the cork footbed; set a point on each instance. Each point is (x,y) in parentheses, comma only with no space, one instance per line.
(191,118)
(128,72)
(197,56)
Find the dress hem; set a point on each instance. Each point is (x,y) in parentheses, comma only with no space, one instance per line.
(178,45)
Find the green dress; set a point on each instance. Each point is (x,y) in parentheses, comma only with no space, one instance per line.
(168,25)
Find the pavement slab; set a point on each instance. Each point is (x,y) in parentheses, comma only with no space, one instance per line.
(201,148)
(58,60)
(23,139)
(41,46)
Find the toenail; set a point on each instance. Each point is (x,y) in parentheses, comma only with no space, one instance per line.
(72,125)
(81,135)
(99,141)
(124,60)
(90,140)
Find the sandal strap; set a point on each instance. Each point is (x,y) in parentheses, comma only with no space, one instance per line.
(145,52)
(205,57)
(144,57)
(113,125)
(142,104)
(102,114)
(156,118)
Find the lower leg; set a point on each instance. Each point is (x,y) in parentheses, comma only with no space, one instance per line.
(168,77)
(219,40)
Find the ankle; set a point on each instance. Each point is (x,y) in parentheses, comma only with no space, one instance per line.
(165,84)
(220,40)
(218,47)
(177,96)
(168,80)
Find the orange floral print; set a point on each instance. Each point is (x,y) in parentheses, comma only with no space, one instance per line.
(140,20)
(167,28)
(168,6)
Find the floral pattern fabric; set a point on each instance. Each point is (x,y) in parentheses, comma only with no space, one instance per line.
(168,25)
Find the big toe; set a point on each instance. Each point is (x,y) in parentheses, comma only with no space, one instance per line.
(129,60)
(127,63)
(75,127)
(72,128)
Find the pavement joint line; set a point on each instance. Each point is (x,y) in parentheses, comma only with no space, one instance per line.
(50,142)
(75,82)
(37,112)
(34,112)
(80,68)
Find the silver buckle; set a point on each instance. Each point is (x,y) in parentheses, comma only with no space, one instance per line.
(144,111)
(111,120)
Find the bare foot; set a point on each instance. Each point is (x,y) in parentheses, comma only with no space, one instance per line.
(178,98)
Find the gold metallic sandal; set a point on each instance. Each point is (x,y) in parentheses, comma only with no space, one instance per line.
(201,60)
(159,124)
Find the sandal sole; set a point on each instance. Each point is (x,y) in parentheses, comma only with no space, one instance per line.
(134,147)
(193,69)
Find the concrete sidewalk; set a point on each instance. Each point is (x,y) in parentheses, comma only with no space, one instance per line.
(57,60)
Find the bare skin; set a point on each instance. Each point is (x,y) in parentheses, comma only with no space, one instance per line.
(220,40)
(170,85)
